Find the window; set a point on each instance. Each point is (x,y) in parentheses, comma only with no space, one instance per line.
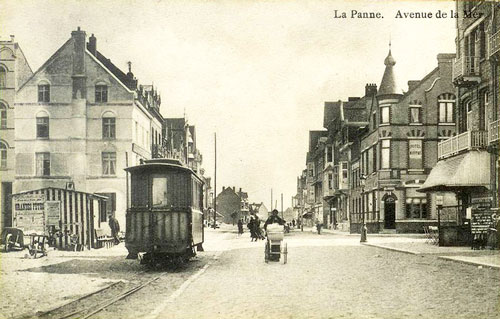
(108,128)
(415,154)
(374,120)
(375,157)
(159,191)
(483,106)
(385,154)
(416,208)
(344,170)
(329,154)
(43,93)
(42,164)
(101,93)
(3,155)
(330,180)
(3,77)
(446,104)
(415,114)
(109,163)
(385,111)
(3,116)
(42,127)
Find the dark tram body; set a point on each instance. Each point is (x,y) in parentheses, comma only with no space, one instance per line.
(165,219)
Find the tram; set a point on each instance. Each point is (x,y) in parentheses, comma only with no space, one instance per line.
(164,222)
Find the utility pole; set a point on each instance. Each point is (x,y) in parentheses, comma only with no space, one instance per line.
(282,205)
(271,199)
(215,182)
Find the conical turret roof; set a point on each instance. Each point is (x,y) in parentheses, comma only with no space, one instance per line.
(389,85)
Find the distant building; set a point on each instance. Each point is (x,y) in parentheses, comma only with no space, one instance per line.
(232,204)
(14,71)
(260,209)
(80,121)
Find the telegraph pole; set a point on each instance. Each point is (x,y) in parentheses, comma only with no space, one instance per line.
(282,205)
(271,199)
(215,182)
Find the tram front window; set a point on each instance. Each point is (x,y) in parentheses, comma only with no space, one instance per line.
(159,191)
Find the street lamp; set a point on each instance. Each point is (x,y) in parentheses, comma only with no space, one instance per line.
(439,206)
(362,181)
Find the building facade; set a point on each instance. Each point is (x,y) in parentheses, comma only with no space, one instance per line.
(468,163)
(14,71)
(80,121)
(232,204)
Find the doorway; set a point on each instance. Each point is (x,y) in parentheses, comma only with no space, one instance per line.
(390,213)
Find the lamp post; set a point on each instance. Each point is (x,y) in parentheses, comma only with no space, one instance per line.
(364,230)
(439,206)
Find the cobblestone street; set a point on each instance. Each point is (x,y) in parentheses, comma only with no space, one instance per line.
(331,276)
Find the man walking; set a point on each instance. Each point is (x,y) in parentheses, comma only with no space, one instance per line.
(115,228)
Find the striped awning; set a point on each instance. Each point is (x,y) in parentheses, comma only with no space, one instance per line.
(465,171)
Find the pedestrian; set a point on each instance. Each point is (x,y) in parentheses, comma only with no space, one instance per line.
(240,226)
(258,231)
(318,226)
(115,228)
(251,227)
(274,218)
(293,223)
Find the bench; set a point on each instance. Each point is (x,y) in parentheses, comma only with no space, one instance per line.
(103,240)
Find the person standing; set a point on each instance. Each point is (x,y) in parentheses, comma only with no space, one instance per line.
(251,227)
(115,228)
(240,227)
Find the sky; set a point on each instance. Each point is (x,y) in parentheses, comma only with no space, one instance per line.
(256,73)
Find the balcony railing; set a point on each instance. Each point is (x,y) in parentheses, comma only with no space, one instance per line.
(465,141)
(466,67)
(495,43)
(493,131)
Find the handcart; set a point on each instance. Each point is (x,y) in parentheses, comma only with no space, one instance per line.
(275,246)
(38,245)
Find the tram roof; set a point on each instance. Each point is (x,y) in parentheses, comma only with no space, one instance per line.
(164,164)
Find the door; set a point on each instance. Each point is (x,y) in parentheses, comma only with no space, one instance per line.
(390,214)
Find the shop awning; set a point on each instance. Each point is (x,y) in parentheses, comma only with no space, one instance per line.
(465,171)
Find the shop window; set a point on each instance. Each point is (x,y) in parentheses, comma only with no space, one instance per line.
(42,164)
(416,208)
(109,163)
(43,93)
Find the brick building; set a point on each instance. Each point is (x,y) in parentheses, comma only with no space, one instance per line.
(232,204)
(14,71)
(468,162)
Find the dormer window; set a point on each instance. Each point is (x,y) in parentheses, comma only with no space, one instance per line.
(415,114)
(101,93)
(44,93)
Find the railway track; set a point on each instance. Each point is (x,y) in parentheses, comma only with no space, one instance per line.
(85,307)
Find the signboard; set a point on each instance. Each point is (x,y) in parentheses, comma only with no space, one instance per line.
(481,220)
(482,201)
(415,149)
(53,213)
(29,212)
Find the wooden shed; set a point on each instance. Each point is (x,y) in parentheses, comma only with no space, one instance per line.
(68,214)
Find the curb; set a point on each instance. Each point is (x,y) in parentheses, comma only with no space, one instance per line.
(469,262)
(393,249)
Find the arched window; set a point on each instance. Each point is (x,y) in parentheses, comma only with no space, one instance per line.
(446,107)
(108,126)
(3,116)
(3,77)
(3,155)
(42,125)
(43,92)
(101,93)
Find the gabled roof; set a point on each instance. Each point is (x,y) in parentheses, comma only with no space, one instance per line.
(314,138)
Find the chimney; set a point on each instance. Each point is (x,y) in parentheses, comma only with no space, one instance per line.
(412,85)
(353,98)
(78,76)
(240,189)
(223,188)
(370,89)
(92,45)
(234,190)
(12,38)
(131,81)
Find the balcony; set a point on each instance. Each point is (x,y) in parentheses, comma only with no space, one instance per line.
(466,71)
(493,131)
(463,142)
(495,43)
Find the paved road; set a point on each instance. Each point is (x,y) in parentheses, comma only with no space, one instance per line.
(332,276)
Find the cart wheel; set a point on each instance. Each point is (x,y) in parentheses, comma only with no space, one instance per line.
(284,252)
(266,252)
